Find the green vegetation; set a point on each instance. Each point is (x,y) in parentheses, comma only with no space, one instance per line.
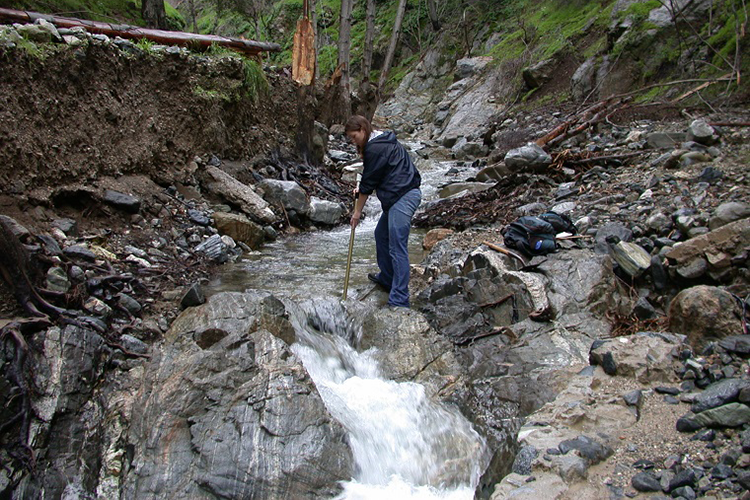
(119,11)
(254,84)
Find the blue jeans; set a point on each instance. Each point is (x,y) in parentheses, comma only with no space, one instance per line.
(391,246)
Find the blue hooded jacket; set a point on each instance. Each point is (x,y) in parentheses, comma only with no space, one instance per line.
(388,169)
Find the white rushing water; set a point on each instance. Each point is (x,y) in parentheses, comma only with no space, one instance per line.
(405,445)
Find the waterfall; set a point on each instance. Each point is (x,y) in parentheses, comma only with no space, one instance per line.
(405,445)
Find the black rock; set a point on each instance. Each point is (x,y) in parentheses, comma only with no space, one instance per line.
(591,450)
(633,398)
(745,439)
(193,297)
(736,343)
(674,391)
(643,309)
(123,201)
(685,477)
(658,273)
(685,492)
(671,400)
(710,175)
(608,364)
(731,457)
(722,471)
(50,245)
(79,252)
(643,464)
(743,479)
(704,435)
(645,481)
(718,394)
(687,423)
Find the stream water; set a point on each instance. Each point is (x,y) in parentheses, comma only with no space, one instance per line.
(405,445)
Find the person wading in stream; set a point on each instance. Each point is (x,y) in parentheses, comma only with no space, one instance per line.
(390,172)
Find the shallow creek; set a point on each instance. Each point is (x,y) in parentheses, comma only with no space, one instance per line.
(405,445)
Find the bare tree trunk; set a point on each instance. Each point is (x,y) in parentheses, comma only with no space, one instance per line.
(392,46)
(154,14)
(368,91)
(194,16)
(343,106)
(369,36)
(432,12)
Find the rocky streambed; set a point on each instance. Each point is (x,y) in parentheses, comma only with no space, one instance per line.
(616,366)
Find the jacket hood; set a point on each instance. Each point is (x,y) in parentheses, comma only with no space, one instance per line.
(383,137)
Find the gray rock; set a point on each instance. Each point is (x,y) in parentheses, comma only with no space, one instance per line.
(245,419)
(610,229)
(325,212)
(133,344)
(729,415)
(125,202)
(57,280)
(728,212)
(227,187)
(583,80)
(665,139)
(703,133)
(528,158)
(538,74)
(633,398)
(736,343)
(289,194)
(67,226)
(129,303)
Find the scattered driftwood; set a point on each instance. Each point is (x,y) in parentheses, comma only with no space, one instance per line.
(249,47)
(583,120)
(729,124)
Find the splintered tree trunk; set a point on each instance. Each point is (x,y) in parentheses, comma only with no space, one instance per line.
(392,46)
(154,14)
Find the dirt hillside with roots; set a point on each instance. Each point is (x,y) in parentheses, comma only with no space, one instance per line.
(69,117)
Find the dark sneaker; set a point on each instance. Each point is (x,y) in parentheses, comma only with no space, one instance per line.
(374,278)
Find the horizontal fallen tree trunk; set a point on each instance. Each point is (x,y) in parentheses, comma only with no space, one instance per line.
(249,47)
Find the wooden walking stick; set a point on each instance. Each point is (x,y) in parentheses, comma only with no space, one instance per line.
(348,262)
(351,246)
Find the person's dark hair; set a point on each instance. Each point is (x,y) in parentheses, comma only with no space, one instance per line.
(358,122)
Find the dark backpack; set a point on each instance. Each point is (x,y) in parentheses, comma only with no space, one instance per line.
(560,222)
(531,235)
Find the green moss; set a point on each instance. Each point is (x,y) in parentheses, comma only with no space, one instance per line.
(639,11)
(649,96)
(210,94)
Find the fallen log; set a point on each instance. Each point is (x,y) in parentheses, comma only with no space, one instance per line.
(249,47)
